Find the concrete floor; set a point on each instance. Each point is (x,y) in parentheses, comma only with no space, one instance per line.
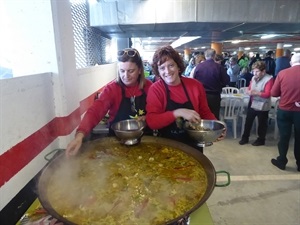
(259,193)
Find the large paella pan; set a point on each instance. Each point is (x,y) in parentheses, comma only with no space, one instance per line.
(157,181)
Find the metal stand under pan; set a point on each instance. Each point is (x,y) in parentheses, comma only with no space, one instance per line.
(131,141)
(204,144)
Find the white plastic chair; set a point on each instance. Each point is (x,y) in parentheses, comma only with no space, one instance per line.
(273,116)
(230,90)
(243,90)
(232,107)
(241,82)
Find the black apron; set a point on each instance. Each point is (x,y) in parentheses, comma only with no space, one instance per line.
(126,111)
(175,130)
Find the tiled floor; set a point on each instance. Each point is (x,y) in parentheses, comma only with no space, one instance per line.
(259,193)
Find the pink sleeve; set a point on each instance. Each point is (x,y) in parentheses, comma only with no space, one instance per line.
(267,89)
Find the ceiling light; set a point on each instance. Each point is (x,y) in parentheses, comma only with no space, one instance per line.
(287,45)
(262,47)
(268,36)
(183,40)
(296,49)
(247,48)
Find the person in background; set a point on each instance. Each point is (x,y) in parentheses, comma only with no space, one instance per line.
(270,63)
(174,99)
(254,59)
(199,58)
(233,71)
(189,67)
(243,61)
(122,99)
(246,74)
(286,87)
(213,76)
(283,62)
(259,90)
(219,59)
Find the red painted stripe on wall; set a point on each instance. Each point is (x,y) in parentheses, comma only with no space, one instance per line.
(16,158)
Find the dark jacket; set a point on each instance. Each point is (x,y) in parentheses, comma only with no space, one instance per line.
(270,65)
(212,75)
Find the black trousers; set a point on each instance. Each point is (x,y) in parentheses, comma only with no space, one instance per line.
(214,103)
(286,120)
(262,123)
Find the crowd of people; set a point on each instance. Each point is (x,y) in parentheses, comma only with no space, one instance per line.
(193,92)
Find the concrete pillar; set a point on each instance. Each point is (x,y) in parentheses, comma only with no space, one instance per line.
(279,50)
(217,46)
(240,52)
(187,54)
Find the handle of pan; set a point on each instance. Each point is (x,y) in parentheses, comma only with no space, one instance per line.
(228,178)
(52,154)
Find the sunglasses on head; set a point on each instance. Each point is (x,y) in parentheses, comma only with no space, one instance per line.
(130,53)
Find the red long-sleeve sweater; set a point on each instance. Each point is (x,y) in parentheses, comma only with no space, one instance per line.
(108,102)
(158,118)
(286,87)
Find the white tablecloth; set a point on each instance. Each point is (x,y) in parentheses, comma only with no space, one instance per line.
(246,98)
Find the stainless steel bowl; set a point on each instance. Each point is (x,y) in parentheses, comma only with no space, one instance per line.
(130,131)
(205,132)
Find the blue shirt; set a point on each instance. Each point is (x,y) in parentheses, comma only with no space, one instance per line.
(282,63)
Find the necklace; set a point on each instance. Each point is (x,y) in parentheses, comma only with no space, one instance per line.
(132,99)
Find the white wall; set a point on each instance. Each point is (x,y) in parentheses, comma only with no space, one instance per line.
(28,103)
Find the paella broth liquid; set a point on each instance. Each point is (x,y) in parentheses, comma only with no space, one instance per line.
(143,184)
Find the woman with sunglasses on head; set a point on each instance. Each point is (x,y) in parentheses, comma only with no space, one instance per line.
(174,98)
(122,99)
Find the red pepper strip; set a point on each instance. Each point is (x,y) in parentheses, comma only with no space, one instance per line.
(182,167)
(183,178)
(90,200)
(116,203)
(173,201)
(141,208)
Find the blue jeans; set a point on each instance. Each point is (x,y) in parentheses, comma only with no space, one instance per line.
(285,121)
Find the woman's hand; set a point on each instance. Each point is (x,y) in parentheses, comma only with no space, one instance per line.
(187,114)
(74,146)
(254,93)
(141,118)
(223,135)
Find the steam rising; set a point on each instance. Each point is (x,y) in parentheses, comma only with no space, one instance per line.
(109,185)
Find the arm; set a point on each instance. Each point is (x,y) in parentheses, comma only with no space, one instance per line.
(276,91)
(266,93)
(198,97)
(156,116)
(99,109)
(92,117)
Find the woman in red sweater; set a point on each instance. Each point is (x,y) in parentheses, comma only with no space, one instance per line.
(174,98)
(122,99)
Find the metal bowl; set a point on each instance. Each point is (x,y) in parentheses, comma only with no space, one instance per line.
(205,132)
(129,131)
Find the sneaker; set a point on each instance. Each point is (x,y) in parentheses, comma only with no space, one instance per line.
(243,141)
(258,142)
(278,164)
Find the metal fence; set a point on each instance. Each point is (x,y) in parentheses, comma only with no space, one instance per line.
(90,46)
